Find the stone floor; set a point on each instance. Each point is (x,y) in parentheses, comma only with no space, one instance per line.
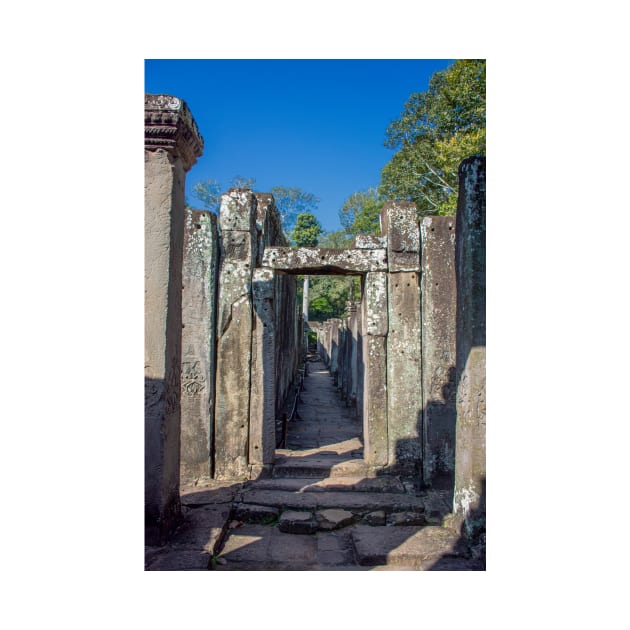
(321,509)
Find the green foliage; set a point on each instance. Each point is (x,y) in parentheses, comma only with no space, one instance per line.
(336,240)
(360,213)
(209,193)
(306,231)
(290,203)
(329,294)
(436,131)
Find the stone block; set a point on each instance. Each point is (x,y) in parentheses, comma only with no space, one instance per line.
(376,518)
(375,297)
(261,514)
(236,211)
(399,223)
(404,261)
(406,518)
(333,519)
(297,523)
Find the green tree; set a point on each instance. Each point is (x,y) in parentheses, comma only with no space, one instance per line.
(307,230)
(290,203)
(436,131)
(336,240)
(209,193)
(361,212)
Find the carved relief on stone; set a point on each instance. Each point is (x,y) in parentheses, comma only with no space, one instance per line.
(169,125)
(193,381)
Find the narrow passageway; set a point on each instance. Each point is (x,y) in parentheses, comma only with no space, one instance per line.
(328,433)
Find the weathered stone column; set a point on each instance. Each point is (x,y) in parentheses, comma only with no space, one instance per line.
(439,299)
(262,442)
(200,279)
(237,220)
(172,145)
(353,326)
(404,371)
(374,324)
(469,504)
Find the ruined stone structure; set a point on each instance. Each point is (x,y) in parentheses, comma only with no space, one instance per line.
(224,333)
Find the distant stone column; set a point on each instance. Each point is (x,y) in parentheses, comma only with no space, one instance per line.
(198,343)
(237,220)
(172,145)
(404,372)
(335,324)
(469,504)
(353,325)
(439,299)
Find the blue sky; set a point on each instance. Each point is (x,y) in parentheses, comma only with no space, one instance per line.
(318,125)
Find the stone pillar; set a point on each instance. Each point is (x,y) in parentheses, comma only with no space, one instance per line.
(374,324)
(172,145)
(237,220)
(198,344)
(262,406)
(469,504)
(404,372)
(334,348)
(439,299)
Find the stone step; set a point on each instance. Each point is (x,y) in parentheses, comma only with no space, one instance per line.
(358,503)
(425,548)
(319,466)
(331,484)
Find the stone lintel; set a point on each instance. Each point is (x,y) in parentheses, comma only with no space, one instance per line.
(169,125)
(318,260)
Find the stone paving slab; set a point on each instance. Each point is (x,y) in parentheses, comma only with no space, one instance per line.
(405,545)
(179,560)
(202,528)
(260,547)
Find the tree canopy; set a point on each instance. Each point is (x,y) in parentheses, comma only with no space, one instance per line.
(360,213)
(306,231)
(209,191)
(435,132)
(290,203)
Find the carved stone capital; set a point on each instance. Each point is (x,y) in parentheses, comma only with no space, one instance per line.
(169,125)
